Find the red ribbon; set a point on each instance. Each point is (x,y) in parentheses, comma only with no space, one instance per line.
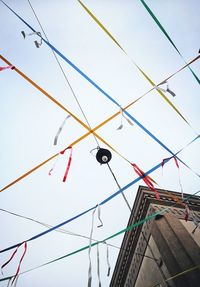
(7,67)
(69,162)
(19,265)
(146,179)
(175,159)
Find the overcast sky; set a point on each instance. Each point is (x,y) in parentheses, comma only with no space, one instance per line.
(30,121)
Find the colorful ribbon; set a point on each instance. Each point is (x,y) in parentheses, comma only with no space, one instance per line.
(88,78)
(69,162)
(129,228)
(166,34)
(145,179)
(7,67)
(143,73)
(92,208)
(98,266)
(90,131)
(60,129)
(21,259)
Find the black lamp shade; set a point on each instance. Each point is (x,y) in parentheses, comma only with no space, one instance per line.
(103,156)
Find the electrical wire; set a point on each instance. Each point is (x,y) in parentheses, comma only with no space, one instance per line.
(75,97)
(67,232)
(64,75)
(122,193)
(59,64)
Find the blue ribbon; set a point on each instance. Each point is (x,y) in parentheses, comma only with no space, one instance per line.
(99,88)
(103,202)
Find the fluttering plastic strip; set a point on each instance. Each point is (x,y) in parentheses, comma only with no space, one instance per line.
(166,34)
(145,179)
(129,228)
(133,62)
(92,208)
(7,67)
(90,131)
(89,250)
(68,164)
(88,78)
(19,265)
(60,129)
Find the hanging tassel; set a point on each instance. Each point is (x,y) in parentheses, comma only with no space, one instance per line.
(170,91)
(146,179)
(126,118)
(7,67)
(89,251)
(51,170)
(68,164)
(99,216)
(60,129)
(98,266)
(167,90)
(121,124)
(37,44)
(18,268)
(30,34)
(179,176)
(107,259)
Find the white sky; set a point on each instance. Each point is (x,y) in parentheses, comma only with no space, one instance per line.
(29,122)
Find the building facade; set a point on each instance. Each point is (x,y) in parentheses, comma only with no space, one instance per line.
(164,250)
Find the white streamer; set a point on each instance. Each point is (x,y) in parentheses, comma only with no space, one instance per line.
(9,281)
(37,44)
(60,129)
(107,259)
(126,118)
(89,251)
(99,216)
(158,88)
(98,265)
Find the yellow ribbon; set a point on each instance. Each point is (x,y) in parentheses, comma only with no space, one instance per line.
(179,274)
(145,75)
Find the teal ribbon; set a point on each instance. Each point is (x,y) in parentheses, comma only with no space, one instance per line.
(167,35)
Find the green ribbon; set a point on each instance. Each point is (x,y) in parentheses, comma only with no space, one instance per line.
(166,34)
(130,227)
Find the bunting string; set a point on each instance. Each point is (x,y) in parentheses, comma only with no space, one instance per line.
(92,208)
(130,119)
(129,228)
(88,78)
(15,277)
(133,62)
(153,16)
(90,131)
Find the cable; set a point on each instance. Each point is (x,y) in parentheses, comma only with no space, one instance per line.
(58,62)
(130,227)
(60,66)
(125,199)
(64,231)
